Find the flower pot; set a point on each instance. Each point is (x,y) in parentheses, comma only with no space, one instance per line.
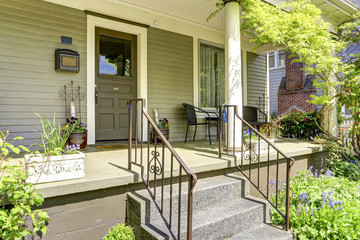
(78,138)
(164,131)
(319,140)
(43,169)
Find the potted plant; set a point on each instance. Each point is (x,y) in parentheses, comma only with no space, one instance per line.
(58,160)
(321,138)
(78,135)
(164,126)
(254,142)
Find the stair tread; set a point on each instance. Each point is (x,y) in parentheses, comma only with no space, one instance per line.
(262,232)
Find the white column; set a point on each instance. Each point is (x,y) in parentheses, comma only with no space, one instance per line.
(330,116)
(233,84)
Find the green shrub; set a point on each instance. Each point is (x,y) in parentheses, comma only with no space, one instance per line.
(321,207)
(120,232)
(299,125)
(17,198)
(349,170)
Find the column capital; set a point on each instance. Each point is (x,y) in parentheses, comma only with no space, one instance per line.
(228,1)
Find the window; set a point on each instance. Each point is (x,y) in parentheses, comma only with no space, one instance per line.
(115,56)
(271,60)
(282,57)
(277,59)
(211,76)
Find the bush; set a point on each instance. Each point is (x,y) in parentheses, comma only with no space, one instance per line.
(18,198)
(300,125)
(321,206)
(349,170)
(120,232)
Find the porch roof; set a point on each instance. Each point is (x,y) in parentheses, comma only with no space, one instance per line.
(108,168)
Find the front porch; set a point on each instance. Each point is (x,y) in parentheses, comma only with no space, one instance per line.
(107,167)
(85,208)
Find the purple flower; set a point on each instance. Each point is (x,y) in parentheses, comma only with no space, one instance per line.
(272,182)
(328,173)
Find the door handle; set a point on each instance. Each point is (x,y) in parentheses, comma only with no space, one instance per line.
(96,96)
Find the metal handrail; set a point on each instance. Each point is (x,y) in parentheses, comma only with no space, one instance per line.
(156,168)
(249,153)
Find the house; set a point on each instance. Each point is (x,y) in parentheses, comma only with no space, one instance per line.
(289,87)
(165,52)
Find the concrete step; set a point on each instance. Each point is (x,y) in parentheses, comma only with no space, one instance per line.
(262,232)
(206,192)
(222,209)
(218,220)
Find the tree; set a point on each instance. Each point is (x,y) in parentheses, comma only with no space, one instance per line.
(298,27)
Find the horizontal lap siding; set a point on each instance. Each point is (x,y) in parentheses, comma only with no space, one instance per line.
(256,78)
(30,32)
(275,79)
(170,77)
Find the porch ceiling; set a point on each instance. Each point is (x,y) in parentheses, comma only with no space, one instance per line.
(195,11)
(334,11)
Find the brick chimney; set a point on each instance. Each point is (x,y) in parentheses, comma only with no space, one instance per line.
(295,89)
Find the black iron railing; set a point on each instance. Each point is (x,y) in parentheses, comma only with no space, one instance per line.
(257,154)
(154,159)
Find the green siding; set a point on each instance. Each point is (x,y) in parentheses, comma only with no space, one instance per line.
(170,78)
(256,78)
(30,32)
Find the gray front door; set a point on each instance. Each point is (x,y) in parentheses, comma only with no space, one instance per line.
(115,82)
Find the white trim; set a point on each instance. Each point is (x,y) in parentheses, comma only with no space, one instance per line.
(244,75)
(141,34)
(268,87)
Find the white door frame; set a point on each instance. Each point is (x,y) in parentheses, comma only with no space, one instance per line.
(141,34)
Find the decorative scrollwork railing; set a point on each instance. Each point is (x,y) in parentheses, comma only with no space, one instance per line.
(258,156)
(163,159)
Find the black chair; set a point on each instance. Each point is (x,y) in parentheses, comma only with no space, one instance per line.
(192,120)
(254,116)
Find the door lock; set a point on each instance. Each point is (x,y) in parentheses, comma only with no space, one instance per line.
(96,96)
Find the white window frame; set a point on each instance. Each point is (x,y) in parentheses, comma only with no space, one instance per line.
(277,60)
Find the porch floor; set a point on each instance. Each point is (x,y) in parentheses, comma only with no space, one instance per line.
(107,167)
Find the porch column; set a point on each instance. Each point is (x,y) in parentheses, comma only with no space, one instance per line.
(233,84)
(330,116)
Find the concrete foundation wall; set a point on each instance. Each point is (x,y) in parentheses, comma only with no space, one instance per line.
(87,216)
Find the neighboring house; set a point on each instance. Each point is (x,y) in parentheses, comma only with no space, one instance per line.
(289,87)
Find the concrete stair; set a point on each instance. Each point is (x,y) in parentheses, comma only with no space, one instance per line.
(222,209)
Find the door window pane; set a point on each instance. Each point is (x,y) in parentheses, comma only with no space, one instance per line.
(212,76)
(115,56)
